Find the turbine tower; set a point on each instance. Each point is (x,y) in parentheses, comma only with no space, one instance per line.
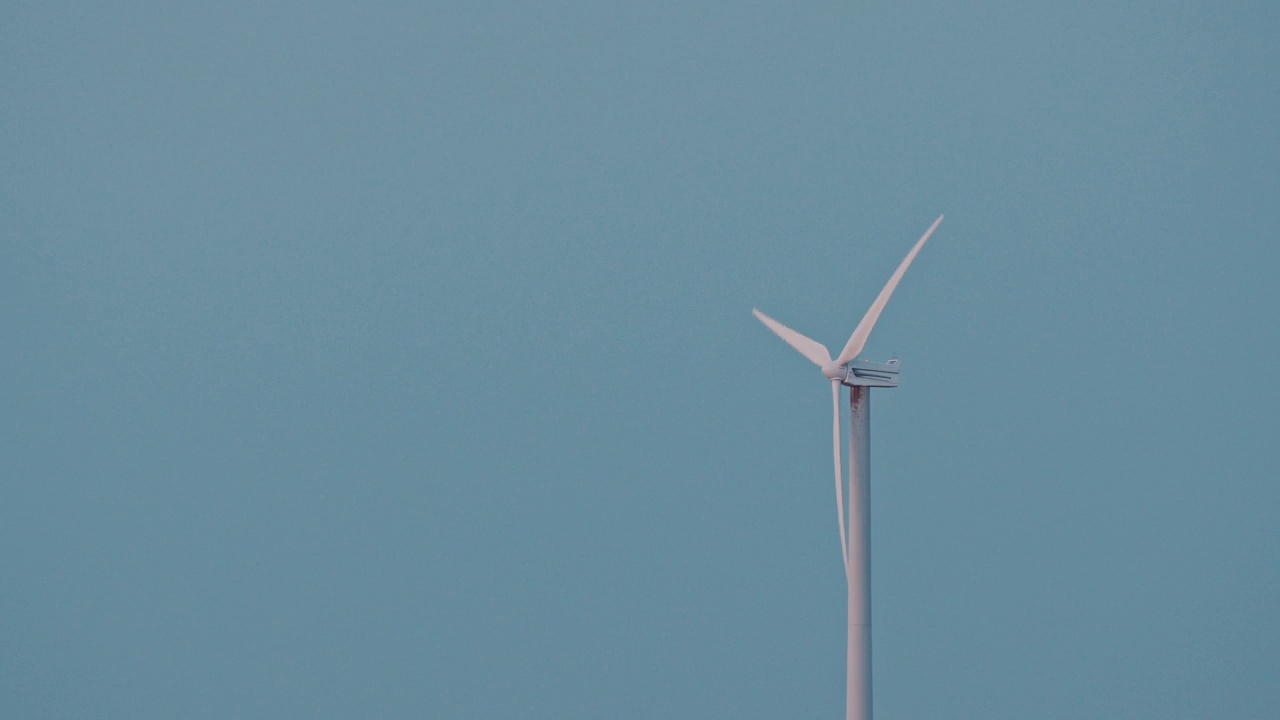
(855,545)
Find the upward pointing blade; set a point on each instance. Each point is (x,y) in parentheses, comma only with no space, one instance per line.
(812,349)
(859,337)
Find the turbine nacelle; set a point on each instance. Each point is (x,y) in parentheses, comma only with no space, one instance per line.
(864,373)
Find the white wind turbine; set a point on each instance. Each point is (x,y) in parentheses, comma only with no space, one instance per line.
(860,376)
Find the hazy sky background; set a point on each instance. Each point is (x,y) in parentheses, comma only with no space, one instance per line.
(391,360)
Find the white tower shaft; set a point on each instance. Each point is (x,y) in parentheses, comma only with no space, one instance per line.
(858,699)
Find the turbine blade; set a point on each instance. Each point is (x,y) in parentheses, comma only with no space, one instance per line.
(835,446)
(812,349)
(859,337)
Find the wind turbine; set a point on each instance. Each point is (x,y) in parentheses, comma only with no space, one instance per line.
(859,376)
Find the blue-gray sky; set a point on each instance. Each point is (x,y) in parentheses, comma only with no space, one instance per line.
(396,360)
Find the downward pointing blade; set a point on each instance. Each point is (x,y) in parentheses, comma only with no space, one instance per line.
(859,337)
(835,446)
(812,349)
